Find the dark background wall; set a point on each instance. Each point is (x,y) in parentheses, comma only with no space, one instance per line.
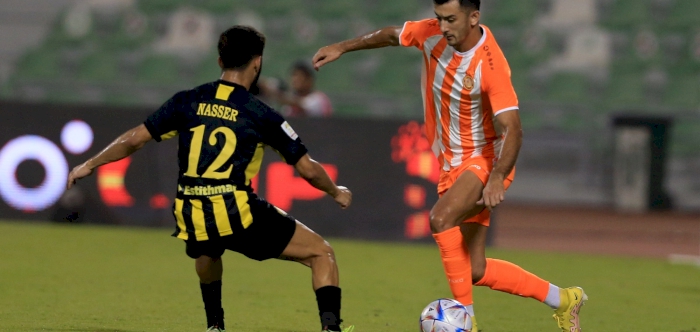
(392,192)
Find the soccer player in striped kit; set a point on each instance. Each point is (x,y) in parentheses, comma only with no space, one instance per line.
(472,122)
(222,131)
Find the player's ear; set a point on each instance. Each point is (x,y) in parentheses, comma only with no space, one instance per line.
(474,17)
(221,64)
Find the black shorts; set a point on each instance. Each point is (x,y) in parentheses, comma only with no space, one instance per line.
(267,237)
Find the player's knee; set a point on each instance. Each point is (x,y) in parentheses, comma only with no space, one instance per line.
(207,268)
(439,223)
(321,251)
(324,249)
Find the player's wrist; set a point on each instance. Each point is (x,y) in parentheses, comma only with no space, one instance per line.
(343,47)
(497,176)
(334,192)
(90,164)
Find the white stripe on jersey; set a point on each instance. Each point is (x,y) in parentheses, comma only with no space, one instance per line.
(440,72)
(455,103)
(477,114)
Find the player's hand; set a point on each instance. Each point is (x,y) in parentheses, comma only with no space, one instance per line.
(78,173)
(326,54)
(494,192)
(343,197)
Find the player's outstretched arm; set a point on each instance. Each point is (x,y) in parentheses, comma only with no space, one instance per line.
(314,173)
(122,147)
(494,191)
(388,36)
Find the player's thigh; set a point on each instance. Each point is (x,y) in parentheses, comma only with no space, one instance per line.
(459,202)
(305,245)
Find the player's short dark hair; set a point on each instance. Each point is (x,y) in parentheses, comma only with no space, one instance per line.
(239,45)
(304,66)
(475,4)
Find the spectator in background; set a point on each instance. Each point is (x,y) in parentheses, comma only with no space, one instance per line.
(302,100)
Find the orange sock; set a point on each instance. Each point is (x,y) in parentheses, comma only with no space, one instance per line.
(457,264)
(507,277)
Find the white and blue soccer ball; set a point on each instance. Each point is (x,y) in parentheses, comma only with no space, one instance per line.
(445,315)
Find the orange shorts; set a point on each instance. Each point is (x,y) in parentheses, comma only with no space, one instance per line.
(482,167)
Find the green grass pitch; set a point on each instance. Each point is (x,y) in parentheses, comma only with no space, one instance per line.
(85,278)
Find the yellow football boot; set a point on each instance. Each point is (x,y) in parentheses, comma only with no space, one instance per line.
(567,315)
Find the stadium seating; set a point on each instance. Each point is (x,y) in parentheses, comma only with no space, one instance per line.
(41,64)
(121,49)
(159,70)
(568,88)
(627,14)
(684,15)
(683,92)
(98,67)
(510,12)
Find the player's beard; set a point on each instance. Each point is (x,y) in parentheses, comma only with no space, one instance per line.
(254,88)
(257,77)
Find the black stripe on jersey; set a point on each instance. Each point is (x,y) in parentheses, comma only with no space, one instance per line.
(181,229)
(220,210)
(234,215)
(187,217)
(209,219)
(202,218)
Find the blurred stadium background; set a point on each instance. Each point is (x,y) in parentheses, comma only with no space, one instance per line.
(577,66)
(609,93)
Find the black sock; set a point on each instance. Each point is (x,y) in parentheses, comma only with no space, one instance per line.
(328,299)
(211,295)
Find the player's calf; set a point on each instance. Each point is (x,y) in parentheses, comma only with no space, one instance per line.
(474,235)
(210,271)
(312,250)
(478,270)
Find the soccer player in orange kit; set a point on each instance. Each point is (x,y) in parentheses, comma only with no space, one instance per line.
(473,125)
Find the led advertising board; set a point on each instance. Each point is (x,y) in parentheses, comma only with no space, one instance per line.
(386,163)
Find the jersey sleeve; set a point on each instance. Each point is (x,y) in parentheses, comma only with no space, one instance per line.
(278,134)
(164,123)
(497,84)
(415,33)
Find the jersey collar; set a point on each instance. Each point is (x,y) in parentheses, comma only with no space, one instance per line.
(476,47)
(235,85)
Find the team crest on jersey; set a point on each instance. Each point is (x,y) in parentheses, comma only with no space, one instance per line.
(468,82)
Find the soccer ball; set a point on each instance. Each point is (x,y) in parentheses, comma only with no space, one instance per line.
(445,315)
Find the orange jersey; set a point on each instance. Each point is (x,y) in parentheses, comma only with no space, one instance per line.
(462,93)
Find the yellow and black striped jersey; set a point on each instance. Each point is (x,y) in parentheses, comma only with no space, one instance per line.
(222,131)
